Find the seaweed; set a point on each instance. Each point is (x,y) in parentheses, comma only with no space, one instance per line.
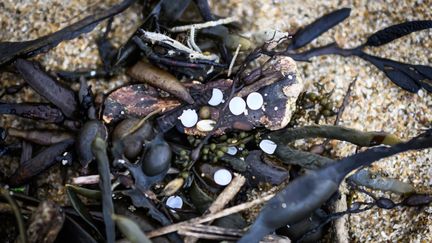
(409,77)
(9,51)
(304,36)
(145,154)
(47,87)
(308,192)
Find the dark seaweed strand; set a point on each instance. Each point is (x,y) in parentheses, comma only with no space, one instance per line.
(394,32)
(315,188)
(99,148)
(319,26)
(285,136)
(409,77)
(11,50)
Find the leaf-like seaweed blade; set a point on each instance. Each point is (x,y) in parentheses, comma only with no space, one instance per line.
(393,32)
(11,50)
(319,26)
(398,73)
(426,72)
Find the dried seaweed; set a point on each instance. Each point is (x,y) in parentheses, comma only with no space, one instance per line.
(47,87)
(12,50)
(42,137)
(36,111)
(39,163)
(45,223)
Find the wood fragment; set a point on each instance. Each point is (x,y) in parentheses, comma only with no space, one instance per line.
(207,218)
(222,200)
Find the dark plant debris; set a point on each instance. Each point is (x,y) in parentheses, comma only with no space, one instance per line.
(199,121)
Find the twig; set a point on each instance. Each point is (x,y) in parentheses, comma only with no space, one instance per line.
(87,180)
(233,60)
(227,194)
(203,25)
(192,41)
(222,200)
(206,218)
(158,37)
(343,106)
(345,101)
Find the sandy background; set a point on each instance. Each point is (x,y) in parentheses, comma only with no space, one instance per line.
(376,103)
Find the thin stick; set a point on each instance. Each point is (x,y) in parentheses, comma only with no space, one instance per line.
(345,101)
(87,180)
(222,200)
(342,107)
(203,25)
(227,194)
(206,218)
(233,60)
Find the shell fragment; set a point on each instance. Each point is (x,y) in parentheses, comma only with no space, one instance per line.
(217,97)
(268,146)
(206,125)
(174,202)
(237,105)
(189,118)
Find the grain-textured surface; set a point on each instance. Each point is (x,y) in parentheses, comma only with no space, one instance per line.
(376,103)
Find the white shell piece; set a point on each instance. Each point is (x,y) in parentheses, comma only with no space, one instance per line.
(206,125)
(268,146)
(222,177)
(237,105)
(174,202)
(217,97)
(232,150)
(254,101)
(188,118)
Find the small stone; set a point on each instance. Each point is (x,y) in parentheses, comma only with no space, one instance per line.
(222,177)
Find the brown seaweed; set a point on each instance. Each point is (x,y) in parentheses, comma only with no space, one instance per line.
(12,50)
(39,163)
(36,111)
(308,192)
(47,87)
